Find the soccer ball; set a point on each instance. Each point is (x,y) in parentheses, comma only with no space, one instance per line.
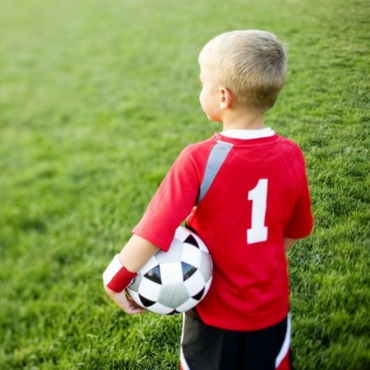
(175,281)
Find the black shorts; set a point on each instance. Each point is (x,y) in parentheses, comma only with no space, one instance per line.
(205,347)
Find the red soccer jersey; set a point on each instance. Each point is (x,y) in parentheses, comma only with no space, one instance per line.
(242,197)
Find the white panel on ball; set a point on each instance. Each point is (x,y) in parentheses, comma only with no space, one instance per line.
(181,233)
(171,273)
(149,289)
(173,254)
(160,309)
(194,282)
(189,304)
(208,285)
(148,266)
(206,267)
(191,255)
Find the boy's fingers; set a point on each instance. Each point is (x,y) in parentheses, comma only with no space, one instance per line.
(130,307)
(132,310)
(134,304)
(135,307)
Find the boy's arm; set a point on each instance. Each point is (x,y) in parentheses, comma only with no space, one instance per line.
(172,203)
(133,257)
(137,253)
(288,243)
(301,221)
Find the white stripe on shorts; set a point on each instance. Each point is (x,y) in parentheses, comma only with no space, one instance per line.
(285,347)
(184,364)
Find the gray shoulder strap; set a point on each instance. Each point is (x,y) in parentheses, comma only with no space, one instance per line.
(216,158)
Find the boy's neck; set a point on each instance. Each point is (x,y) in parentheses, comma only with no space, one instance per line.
(242,120)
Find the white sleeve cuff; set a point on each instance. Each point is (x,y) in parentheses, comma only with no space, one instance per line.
(112,270)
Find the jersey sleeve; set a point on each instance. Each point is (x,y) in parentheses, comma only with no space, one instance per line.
(172,203)
(301,222)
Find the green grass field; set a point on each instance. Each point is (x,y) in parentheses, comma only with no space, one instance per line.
(97,98)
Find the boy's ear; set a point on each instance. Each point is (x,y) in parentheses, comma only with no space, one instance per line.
(225,98)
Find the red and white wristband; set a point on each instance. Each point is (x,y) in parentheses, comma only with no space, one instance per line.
(116,277)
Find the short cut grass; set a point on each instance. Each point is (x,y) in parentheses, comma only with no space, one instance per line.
(252,64)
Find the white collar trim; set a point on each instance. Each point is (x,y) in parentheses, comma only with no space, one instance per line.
(249,134)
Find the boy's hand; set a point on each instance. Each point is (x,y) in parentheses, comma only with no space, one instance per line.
(135,255)
(126,303)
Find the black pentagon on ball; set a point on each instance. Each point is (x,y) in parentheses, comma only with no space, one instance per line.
(187,270)
(146,302)
(174,312)
(191,240)
(199,295)
(154,275)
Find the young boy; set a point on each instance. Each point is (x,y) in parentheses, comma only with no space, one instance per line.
(244,191)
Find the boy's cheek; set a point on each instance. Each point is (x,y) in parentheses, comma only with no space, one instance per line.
(201,99)
(213,115)
(203,105)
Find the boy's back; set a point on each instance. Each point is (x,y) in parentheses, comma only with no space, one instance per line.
(249,195)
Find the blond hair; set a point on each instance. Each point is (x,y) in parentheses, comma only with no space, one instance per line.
(252,64)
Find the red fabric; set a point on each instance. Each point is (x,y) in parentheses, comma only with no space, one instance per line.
(174,199)
(250,286)
(121,280)
(285,364)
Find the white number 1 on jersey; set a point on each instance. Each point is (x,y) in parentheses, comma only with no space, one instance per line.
(258,196)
